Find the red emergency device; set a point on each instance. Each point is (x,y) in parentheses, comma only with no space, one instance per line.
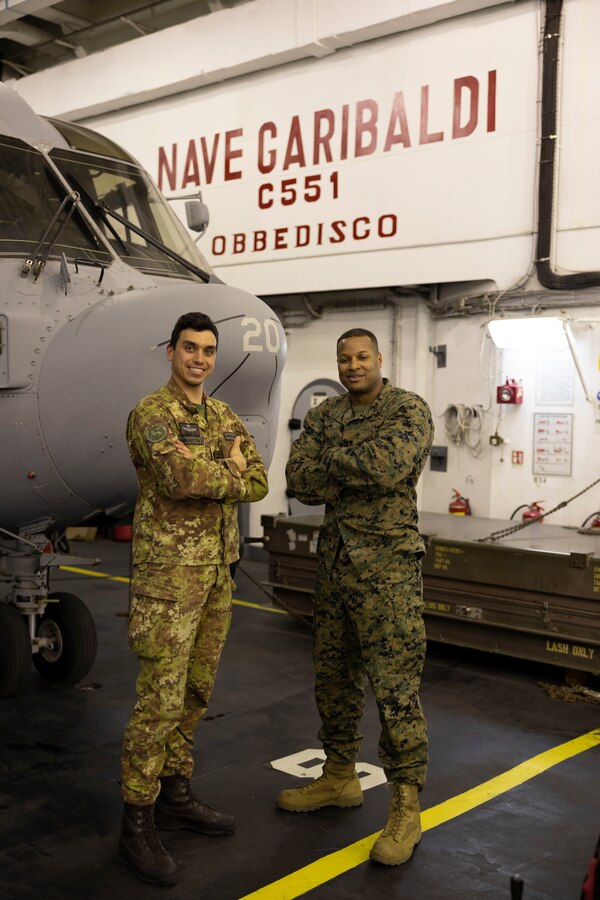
(459,505)
(592,521)
(509,392)
(533,511)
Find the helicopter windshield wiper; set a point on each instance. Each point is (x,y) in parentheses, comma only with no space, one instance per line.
(155,242)
(51,235)
(93,204)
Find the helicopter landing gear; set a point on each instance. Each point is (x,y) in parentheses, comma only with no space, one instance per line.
(66,640)
(57,630)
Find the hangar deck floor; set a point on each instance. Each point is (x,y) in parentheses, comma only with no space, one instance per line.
(487,815)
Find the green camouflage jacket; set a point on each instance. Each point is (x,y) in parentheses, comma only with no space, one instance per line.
(364,465)
(186,512)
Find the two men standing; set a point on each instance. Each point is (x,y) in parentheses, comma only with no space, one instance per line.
(361,454)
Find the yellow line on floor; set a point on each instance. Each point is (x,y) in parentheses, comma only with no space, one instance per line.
(120,578)
(322,870)
(93,574)
(272,609)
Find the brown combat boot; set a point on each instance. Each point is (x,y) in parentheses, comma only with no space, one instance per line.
(140,847)
(403,832)
(177,807)
(339,785)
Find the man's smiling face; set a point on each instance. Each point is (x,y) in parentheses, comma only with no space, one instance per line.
(193,358)
(359,368)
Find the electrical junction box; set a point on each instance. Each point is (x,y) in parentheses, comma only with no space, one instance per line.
(509,392)
(438,459)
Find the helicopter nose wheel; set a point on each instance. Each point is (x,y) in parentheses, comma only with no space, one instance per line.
(68,640)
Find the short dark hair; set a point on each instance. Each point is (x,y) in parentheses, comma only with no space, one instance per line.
(359,332)
(197,321)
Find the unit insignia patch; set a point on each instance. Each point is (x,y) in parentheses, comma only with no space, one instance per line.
(155,433)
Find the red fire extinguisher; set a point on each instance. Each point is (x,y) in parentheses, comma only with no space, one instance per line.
(592,521)
(532,511)
(459,505)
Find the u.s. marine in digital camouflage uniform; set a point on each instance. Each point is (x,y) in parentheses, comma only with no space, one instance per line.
(362,453)
(195,463)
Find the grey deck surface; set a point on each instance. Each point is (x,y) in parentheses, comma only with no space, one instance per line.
(59,767)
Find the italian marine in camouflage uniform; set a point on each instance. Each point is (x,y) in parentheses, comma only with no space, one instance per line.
(361,454)
(195,462)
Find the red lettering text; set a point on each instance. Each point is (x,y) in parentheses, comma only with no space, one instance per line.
(303,230)
(344,141)
(209,161)
(218,245)
(491,110)
(365,232)
(239,242)
(294,152)
(472,86)
(190,170)
(338,232)
(280,239)
(231,154)
(260,241)
(288,191)
(164,168)
(265,189)
(323,140)
(389,230)
(267,164)
(366,123)
(397,118)
(424,136)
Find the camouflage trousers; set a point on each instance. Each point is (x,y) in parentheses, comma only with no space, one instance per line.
(178,639)
(372,627)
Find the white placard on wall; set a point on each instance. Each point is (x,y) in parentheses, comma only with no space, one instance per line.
(552,443)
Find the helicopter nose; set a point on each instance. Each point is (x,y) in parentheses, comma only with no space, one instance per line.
(102,362)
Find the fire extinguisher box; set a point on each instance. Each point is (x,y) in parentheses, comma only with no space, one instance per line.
(509,392)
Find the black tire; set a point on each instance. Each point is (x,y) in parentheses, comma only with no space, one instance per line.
(15,650)
(70,625)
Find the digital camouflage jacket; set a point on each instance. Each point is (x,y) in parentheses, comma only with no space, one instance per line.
(186,512)
(364,465)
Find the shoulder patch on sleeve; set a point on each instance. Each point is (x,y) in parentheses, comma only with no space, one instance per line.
(156,432)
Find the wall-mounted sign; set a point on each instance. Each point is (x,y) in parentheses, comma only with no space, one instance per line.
(552,443)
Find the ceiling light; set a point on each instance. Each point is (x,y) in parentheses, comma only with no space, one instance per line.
(543,332)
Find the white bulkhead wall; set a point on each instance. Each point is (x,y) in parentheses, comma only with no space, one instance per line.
(495,478)
(499,478)
(418,131)
(406,160)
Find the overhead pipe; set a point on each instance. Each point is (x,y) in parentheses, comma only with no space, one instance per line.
(548,159)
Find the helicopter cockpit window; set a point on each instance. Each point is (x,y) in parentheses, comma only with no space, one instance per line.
(113,185)
(29,198)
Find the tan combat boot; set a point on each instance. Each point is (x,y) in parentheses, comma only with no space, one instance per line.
(403,832)
(337,786)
